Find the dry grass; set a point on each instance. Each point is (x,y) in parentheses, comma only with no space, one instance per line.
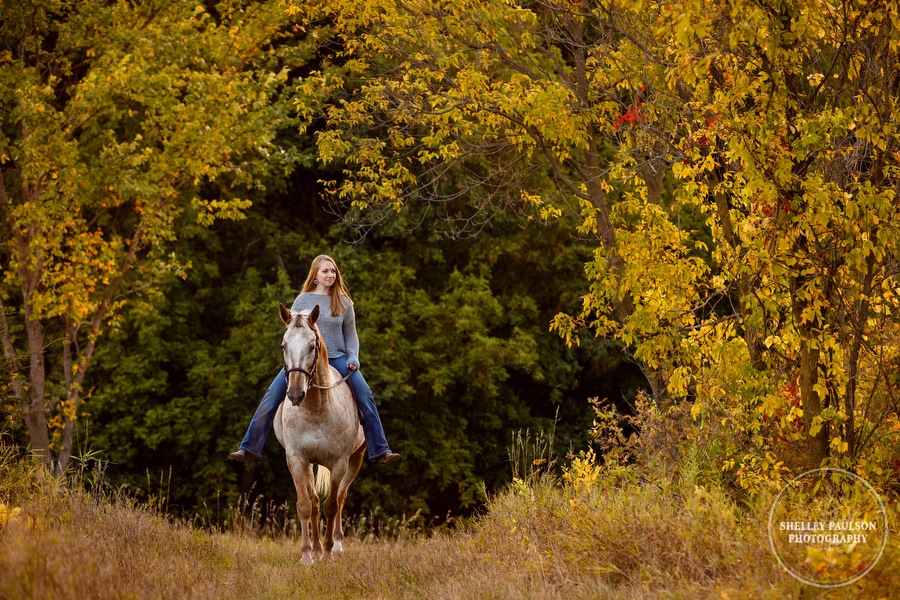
(629,540)
(620,539)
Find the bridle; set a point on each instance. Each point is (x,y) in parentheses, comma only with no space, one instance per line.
(310,375)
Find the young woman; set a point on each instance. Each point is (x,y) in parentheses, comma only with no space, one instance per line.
(337,325)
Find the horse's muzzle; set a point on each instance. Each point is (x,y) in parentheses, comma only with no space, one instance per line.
(296,397)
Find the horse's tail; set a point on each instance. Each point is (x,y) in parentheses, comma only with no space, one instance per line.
(323,481)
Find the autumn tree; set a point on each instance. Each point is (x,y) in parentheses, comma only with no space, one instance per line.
(122,122)
(774,121)
(473,108)
(791,148)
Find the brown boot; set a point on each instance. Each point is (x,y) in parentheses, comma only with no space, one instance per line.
(386,459)
(243,456)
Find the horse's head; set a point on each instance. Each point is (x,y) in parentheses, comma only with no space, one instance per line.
(301,351)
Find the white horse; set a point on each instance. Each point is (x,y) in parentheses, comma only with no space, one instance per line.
(320,425)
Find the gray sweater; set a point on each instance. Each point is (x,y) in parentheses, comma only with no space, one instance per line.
(338,333)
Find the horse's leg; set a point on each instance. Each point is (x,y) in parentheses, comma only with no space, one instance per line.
(314,513)
(300,472)
(338,470)
(355,462)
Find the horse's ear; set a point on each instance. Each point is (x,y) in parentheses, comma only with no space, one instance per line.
(314,315)
(285,314)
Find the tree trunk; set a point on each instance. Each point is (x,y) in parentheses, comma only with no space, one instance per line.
(33,406)
(817,445)
(859,322)
(751,335)
(653,173)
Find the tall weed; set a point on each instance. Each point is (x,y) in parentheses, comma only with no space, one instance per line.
(531,456)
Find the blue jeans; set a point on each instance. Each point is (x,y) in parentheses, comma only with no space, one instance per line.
(261,423)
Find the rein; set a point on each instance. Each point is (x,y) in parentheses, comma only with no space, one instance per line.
(333,385)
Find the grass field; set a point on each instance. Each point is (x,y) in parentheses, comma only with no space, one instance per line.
(616,538)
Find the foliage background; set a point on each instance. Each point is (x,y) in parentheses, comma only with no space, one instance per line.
(455,342)
(699,198)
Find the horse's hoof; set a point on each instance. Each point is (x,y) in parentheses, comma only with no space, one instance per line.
(338,547)
(306,559)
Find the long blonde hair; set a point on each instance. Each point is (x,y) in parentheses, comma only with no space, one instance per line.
(338,290)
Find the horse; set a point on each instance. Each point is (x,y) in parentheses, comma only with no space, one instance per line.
(320,425)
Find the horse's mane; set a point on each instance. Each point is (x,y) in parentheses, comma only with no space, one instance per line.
(323,349)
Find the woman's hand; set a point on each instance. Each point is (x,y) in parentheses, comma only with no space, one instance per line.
(351,366)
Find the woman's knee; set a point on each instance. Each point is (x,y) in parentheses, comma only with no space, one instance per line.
(358,382)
